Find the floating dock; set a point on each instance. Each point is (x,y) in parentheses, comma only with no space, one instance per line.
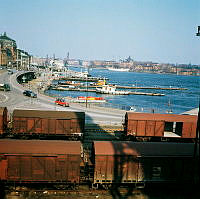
(93,90)
(129,87)
(156,88)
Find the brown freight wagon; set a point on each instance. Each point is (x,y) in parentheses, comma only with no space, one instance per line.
(160,125)
(48,123)
(36,161)
(3,120)
(127,162)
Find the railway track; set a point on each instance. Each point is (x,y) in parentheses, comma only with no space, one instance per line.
(103,132)
(82,192)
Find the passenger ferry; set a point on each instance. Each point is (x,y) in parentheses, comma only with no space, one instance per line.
(118,69)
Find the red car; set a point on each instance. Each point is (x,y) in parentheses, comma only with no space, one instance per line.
(62,102)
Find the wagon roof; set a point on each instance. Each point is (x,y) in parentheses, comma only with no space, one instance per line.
(48,114)
(49,147)
(143,149)
(162,117)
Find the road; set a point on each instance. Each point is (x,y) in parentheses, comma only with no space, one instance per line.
(14,99)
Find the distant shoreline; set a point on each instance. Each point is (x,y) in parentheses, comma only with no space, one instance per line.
(140,71)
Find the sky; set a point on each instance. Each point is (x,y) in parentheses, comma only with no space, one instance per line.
(162,31)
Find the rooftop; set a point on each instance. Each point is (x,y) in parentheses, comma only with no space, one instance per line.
(5,37)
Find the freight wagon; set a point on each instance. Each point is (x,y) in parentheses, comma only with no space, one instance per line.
(119,163)
(154,126)
(40,161)
(53,124)
(138,163)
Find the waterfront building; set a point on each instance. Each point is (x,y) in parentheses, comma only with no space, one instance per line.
(8,51)
(57,64)
(23,60)
(39,61)
(11,56)
(72,62)
(86,63)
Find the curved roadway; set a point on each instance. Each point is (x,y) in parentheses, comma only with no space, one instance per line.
(14,99)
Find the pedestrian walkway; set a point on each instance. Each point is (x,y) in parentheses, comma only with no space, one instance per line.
(34,104)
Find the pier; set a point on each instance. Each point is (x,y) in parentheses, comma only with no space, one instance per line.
(156,88)
(122,87)
(93,90)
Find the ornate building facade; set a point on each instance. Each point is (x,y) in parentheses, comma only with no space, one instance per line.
(8,51)
(11,56)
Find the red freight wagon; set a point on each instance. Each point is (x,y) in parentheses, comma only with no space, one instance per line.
(40,161)
(3,119)
(160,125)
(128,162)
(113,164)
(48,123)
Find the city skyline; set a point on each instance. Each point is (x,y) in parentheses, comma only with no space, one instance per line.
(146,30)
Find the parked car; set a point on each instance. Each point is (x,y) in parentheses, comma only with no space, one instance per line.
(62,102)
(4,87)
(30,93)
(10,72)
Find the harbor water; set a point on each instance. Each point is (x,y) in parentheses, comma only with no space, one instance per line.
(177,101)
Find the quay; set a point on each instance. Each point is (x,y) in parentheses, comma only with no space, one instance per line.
(93,90)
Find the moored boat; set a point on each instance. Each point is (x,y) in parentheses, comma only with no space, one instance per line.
(118,69)
(111,89)
(89,99)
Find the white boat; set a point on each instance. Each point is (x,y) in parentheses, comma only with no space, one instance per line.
(118,69)
(111,89)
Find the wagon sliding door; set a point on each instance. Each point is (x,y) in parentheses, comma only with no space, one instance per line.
(44,168)
(68,168)
(63,127)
